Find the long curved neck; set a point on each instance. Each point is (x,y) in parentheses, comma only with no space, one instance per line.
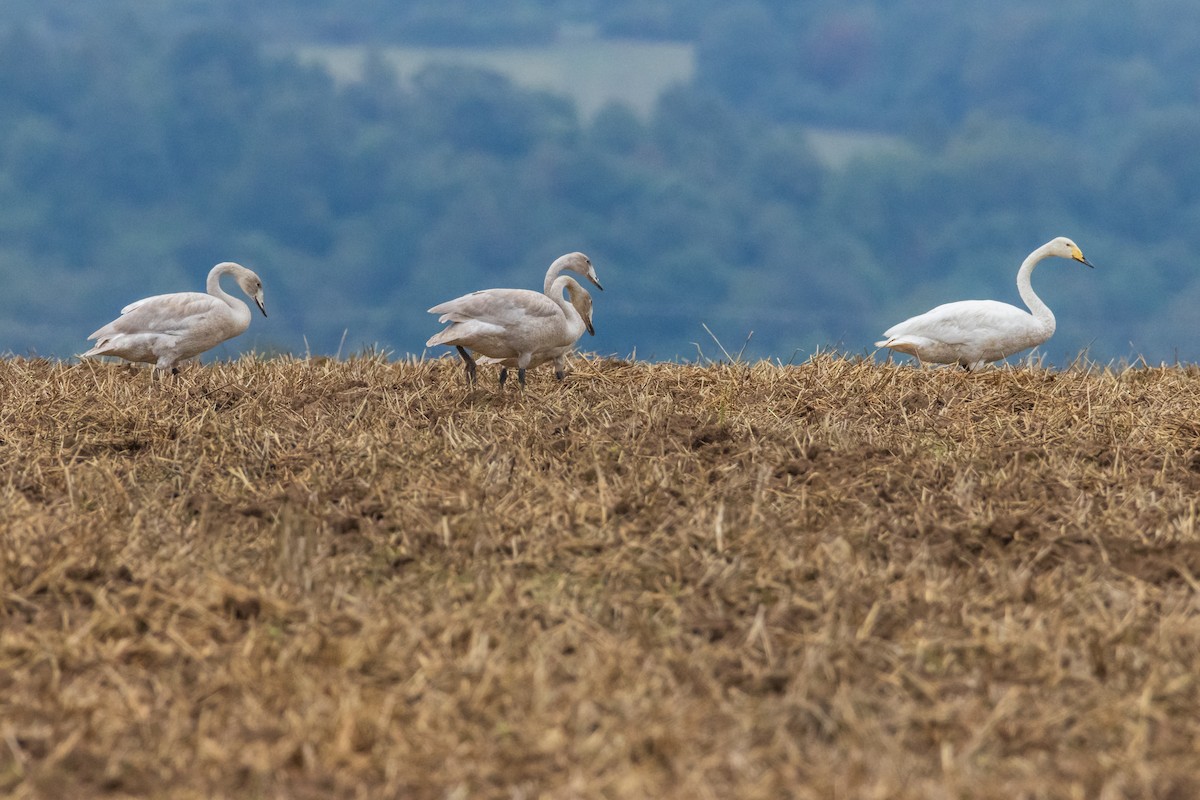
(555,292)
(575,323)
(213,287)
(1040,310)
(552,274)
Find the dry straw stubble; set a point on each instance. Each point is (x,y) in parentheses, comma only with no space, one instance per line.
(313,578)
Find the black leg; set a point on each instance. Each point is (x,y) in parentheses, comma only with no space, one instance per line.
(470,364)
(521,376)
(503,376)
(559,374)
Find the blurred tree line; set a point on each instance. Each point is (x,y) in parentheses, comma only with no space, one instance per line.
(142,143)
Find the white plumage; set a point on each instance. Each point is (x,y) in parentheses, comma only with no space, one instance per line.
(168,329)
(582,302)
(975,332)
(581,265)
(511,324)
(575,262)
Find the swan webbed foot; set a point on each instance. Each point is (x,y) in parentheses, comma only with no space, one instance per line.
(470,364)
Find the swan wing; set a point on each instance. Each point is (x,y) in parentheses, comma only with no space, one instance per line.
(465,332)
(501,307)
(967,332)
(502,323)
(171,314)
(963,322)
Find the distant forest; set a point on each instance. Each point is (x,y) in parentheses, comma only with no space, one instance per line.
(142,142)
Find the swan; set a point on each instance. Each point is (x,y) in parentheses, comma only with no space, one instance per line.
(167,329)
(575,262)
(581,265)
(582,301)
(974,332)
(511,323)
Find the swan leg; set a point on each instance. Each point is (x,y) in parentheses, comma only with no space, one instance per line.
(470,364)
(521,376)
(164,372)
(559,374)
(503,376)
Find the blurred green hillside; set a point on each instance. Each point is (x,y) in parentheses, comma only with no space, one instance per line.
(826,170)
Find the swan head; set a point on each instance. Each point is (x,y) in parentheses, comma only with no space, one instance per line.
(1065,248)
(582,301)
(580,265)
(251,284)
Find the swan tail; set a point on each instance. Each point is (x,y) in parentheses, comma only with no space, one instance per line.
(901,345)
(461,332)
(450,335)
(100,348)
(444,337)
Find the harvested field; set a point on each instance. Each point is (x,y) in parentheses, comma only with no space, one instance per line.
(343,579)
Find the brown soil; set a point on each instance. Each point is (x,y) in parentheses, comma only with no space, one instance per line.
(323,579)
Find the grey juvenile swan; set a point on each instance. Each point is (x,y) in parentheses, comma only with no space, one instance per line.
(167,329)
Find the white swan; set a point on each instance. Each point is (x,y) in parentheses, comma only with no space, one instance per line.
(575,262)
(582,301)
(169,328)
(975,332)
(510,323)
(581,265)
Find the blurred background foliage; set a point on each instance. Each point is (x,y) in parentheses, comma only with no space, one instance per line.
(828,169)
